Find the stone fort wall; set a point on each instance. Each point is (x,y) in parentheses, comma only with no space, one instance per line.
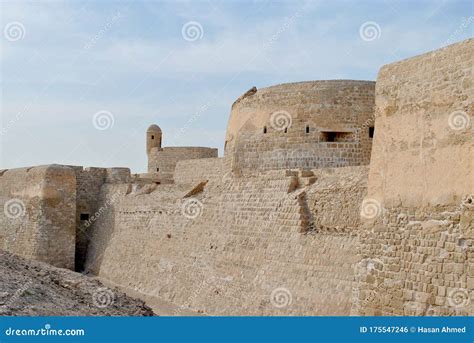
(163,160)
(317,124)
(417,246)
(240,241)
(37,220)
(89,182)
(230,237)
(47,210)
(192,171)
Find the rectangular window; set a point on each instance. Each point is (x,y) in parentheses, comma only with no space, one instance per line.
(336,136)
(371,132)
(84,216)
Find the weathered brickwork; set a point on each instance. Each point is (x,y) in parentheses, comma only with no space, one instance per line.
(192,171)
(417,248)
(37,220)
(89,182)
(163,160)
(249,238)
(333,187)
(286,223)
(304,125)
(417,262)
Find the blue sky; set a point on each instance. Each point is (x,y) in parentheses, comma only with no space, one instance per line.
(82,80)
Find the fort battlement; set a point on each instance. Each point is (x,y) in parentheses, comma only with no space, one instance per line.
(314,124)
(38,221)
(350,197)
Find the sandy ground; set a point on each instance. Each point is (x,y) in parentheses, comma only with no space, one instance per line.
(30,288)
(159,306)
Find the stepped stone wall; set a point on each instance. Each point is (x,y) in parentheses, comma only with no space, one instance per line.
(289,222)
(417,242)
(38,214)
(334,198)
(305,125)
(242,246)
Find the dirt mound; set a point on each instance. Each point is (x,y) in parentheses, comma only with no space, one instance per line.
(30,288)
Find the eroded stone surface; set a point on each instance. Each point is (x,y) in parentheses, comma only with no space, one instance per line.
(288,221)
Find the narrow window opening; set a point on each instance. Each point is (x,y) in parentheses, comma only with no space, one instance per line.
(335,136)
(331,137)
(286,130)
(152,137)
(371,132)
(157,169)
(307,128)
(84,216)
(264,129)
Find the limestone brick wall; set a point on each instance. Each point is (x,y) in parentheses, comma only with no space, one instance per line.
(417,242)
(417,262)
(38,211)
(189,171)
(307,125)
(423,142)
(88,184)
(163,160)
(334,199)
(103,224)
(242,246)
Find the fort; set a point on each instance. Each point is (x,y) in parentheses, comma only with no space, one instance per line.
(332,198)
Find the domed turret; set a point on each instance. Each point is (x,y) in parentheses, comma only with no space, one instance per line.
(153,138)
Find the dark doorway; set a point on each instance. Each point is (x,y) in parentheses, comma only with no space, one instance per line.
(371,132)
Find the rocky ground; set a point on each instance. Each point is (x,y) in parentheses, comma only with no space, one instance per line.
(30,288)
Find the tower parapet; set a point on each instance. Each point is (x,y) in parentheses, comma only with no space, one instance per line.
(304,125)
(163,160)
(153,138)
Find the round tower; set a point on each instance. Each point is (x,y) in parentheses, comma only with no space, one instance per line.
(153,138)
(302,125)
